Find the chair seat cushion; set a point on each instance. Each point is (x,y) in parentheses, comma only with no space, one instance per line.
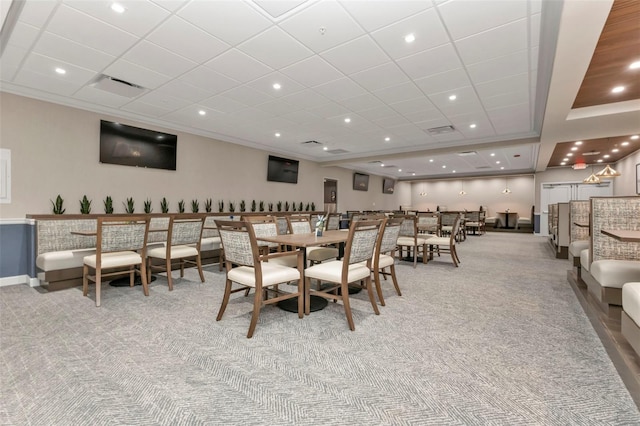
(408,241)
(272,274)
(631,300)
(472,224)
(65,259)
(332,272)
(614,273)
(439,241)
(115,259)
(576,247)
(584,259)
(385,261)
(177,252)
(320,254)
(209,243)
(290,261)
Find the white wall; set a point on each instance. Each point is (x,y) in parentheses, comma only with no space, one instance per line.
(55,150)
(626,184)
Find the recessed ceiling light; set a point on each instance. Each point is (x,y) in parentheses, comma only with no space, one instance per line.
(444,167)
(387,139)
(453,171)
(326,148)
(625,143)
(202,112)
(575,148)
(599,161)
(493,154)
(570,154)
(617,89)
(578,142)
(502,168)
(452,97)
(381,164)
(565,159)
(277,135)
(276,86)
(117,7)
(431,160)
(634,137)
(413,174)
(615,150)
(498,162)
(634,65)
(399,170)
(563,163)
(347,120)
(61,70)
(606,156)
(473,126)
(410,38)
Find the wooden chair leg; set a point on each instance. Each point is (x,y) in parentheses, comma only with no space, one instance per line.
(372,298)
(85,280)
(199,263)
(376,278)
(301,297)
(392,270)
(257,304)
(307,296)
(132,276)
(143,277)
(98,283)
(225,299)
(347,306)
(168,266)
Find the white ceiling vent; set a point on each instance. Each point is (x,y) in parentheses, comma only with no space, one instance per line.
(467,153)
(118,87)
(311,143)
(441,130)
(591,153)
(337,151)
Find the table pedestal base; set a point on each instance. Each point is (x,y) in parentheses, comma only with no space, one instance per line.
(316,303)
(124,281)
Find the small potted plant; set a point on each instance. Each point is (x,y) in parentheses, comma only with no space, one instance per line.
(253,205)
(307,207)
(300,206)
(313,206)
(129,206)
(164,205)
(181,206)
(57,205)
(270,207)
(195,206)
(261,206)
(207,205)
(85,205)
(286,206)
(147,206)
(108,205)
(220,206)
(279,205)
(242,206)
(232,207)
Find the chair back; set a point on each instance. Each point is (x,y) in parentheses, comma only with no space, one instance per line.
(388,238)
(333,221)
(283,225)
(263,226)
(455,228)
(116,234)
(299,225)
(409,226)
(429,222)
(185,229)
(448,218)
(236,242)
(472,216)
(361,242)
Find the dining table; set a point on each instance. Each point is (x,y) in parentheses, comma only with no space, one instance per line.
(303,241)
(624,235)
(506,215)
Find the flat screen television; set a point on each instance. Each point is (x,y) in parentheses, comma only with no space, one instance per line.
(388,186)
(282,170)
(133,146)
(360,182)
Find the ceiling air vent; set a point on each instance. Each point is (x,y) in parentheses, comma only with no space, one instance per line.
(118,87)
(483,167)
(467,153)
(337,151)
(441,130)
(311,143)
(591,153)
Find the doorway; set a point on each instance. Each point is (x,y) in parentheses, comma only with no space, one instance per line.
(330,195)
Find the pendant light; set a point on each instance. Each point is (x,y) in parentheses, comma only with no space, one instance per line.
(592,178)
(423,192)
(506,189)
(608,171)
(462,191)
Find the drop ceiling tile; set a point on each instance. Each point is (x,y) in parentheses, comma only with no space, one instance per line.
(209,80)
(183,90)
(463,95)
(177,35)
(375,14)
(74,53)
(305,26)
(277,8)
(139,17)
(380,77)
(356,55)
(11,59)
(37,13)
(506,99)
(164,100)
(306,99)
(24,35)
(144,108)
(136,74)
(444,81)
(508,84)
(401,92)
(340,89)
(46,83)
(513,119)
(420,116)
(300,117)
(312,71)
(413,105)
(215,17)
(247,95)
(497,68)
(223,104)
(501,41)
(288,51)
(253,115)
(391,121)
(464,18)
(278,107)
(159,59)
(425,26)
(430,62)
(46,66)
(74,25)
(93,95)
(329,110)
(361,102)
(378,112)
(265,84)
(170,5)
(238,66)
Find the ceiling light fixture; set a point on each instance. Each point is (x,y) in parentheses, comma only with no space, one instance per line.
(423,193)
(326,148)
(575,148)
(634,65)
(277,135)
(570,154)
(617,89)
(117,7)
(277,86)
(608,171)
(462,191)
(61,70)
(472,126)
(634,137)
(625,143)
(506,189)
(592,178)
(578,142)
(347,120)
(410,38)
(453,97)
(387,139)
(493,154)
(202,112)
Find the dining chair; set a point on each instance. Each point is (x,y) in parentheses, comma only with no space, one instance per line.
(446,244)
(411,240)
(250,268)
(267,226)
(302,225)
(333,221)
(355,266)
(120,247)
(384,255)
(183,245)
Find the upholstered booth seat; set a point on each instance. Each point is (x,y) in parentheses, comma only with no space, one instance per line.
(630,325)
(585,261)
(576,247)
(614,273)
(65,259)
(115,260)
(176,251)
(209,243)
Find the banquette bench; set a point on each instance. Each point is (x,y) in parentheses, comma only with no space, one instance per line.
(630,321)
(579,231)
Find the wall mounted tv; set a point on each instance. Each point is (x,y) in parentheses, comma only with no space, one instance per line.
(388,186)
(282,170)
(360,182)
(132,146)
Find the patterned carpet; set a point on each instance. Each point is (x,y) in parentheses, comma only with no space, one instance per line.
(501,340)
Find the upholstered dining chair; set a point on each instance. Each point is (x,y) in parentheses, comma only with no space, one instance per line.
(333,221)
(246,266)
(411,240)
(302,225)
(355,266)
(267,226)
(183,245)
(446,244)
(120,247)
(384,255)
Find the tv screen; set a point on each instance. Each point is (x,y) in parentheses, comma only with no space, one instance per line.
(360,182)
(282,170)
(133,146)
(388,186)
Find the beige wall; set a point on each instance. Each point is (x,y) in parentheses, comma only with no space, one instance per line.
(55,150)
(626,184)
(480,191)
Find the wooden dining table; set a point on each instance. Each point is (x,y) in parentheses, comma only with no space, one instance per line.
(303,241)
(624,235)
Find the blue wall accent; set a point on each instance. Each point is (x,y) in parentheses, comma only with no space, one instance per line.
(17,250)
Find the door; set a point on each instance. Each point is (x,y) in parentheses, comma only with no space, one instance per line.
(330,195)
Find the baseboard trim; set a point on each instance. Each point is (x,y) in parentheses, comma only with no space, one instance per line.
(19,279)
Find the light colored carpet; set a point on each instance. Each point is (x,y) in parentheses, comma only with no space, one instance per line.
(500,340)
